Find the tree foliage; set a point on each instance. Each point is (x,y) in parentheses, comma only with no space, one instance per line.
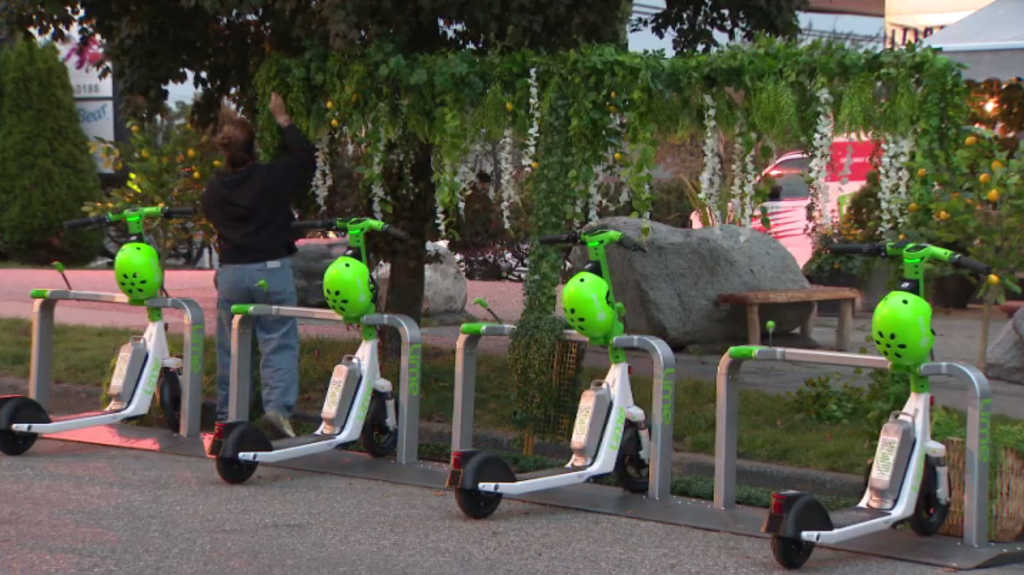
(693,23)
(46,170)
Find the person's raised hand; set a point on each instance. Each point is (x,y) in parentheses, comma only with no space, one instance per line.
(279,110)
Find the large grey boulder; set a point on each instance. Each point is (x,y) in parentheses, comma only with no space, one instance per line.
(670,290)
(1005,356)
(308,267)
(445,290)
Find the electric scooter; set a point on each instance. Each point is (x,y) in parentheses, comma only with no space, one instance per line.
(144,364)
(359,403)
(908,478)
(610,434)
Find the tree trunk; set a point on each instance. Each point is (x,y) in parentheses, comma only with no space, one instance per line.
(413,212)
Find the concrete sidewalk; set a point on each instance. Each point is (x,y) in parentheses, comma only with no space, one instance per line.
(958,331)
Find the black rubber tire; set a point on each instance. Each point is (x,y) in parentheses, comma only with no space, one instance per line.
(631,472)
(476,504)
(929,514)
(791,553)
(375,438)
(17,443)
(169,396)
(14,443)
(234,471)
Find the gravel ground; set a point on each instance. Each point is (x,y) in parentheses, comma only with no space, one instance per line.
(73,508)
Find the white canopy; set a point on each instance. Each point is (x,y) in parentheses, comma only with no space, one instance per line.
(990,41)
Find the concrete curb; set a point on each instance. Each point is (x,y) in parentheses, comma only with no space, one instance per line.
(70,398)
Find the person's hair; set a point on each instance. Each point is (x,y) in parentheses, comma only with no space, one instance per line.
(236,138)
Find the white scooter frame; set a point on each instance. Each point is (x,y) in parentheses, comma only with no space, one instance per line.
(917,411)
(622,409)
(366,358)
(158,357)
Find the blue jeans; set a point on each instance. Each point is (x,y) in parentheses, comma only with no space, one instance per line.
(278,337)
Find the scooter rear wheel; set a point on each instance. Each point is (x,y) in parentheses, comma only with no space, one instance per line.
(234,471)
(631,471)
(930,513)
(476,504)
(375,437)
(791,553)
(20,410)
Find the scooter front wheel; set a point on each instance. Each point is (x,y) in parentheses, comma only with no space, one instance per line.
(791,553)
(476,504)
(170,399)
(930,513)
(631,471)
(375,437)
(234,471)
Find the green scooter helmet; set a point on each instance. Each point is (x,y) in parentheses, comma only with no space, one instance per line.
(902,328)
(585,301)
(347,288)
(138,271)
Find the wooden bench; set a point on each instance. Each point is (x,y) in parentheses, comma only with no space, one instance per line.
(754,299)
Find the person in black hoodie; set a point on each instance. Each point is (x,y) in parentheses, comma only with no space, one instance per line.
(249,204)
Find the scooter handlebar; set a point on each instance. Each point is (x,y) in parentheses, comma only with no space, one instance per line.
(972,265)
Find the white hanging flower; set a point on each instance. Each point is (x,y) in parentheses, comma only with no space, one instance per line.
(506,184)
(821,155)
(323,180)
(377,189)
(534,133)
(894,179)
(594,195)
(440,218)
(711,175)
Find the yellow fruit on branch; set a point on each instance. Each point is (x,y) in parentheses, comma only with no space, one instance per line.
(993,195)
(985,178)
(993,280)
(613,109)
(914,207)
(145,154)
(997,165)
(614,95)
(922,173)
(197,175)
(943,215)
(618,157)
(535,165)
(971,140)
(330,105)
(191,153)
(334,123)
(509,106)
(218,164)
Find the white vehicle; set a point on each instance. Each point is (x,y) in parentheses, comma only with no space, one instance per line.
(787,204)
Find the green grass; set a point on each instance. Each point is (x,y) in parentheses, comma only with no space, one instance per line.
(768,432)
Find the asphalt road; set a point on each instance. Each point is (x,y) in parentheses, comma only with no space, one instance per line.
(74,509)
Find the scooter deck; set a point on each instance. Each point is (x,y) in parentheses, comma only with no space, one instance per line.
(289,442)
(855,515)
(552,472)
(74,416)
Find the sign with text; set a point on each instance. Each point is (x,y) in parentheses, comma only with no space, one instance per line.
(96,117)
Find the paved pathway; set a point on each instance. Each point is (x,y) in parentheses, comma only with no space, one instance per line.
(89,509)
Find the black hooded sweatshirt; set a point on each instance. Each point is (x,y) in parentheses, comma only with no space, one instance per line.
(251,208)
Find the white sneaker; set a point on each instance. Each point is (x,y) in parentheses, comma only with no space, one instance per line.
(280,422)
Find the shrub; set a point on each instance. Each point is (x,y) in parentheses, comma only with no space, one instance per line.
(46,170)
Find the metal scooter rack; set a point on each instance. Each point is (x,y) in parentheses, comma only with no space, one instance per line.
(411,367)
(662,410)
(40,377)
(975,550)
